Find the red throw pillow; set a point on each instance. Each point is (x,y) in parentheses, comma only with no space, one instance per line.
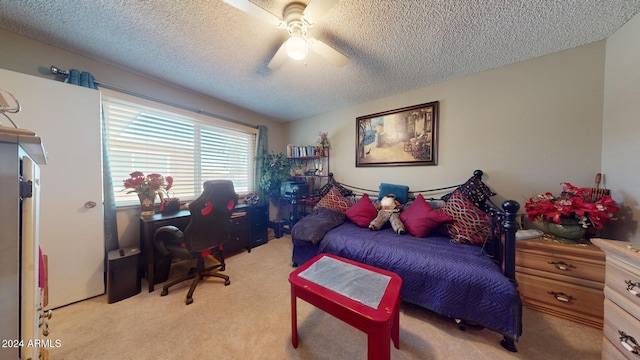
(470,225)
(362,212)
(419,218)
(334,201)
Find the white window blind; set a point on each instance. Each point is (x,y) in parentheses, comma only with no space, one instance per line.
(171,142)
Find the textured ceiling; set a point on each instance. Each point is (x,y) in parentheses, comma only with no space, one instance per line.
(215,49)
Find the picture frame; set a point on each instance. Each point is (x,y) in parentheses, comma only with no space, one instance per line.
(402,137)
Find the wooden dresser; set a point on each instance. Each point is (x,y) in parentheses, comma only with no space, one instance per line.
(564,280)
(622,300)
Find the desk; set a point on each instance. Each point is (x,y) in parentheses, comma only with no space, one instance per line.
(363,296)
(247,232)
(148,227)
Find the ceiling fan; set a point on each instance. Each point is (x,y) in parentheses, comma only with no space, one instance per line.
(297,19)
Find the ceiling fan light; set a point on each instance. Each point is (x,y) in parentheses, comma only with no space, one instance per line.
(297,48)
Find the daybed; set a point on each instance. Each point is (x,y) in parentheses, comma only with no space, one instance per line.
(454,265)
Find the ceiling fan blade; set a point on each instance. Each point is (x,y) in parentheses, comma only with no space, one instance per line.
(328,52)
(316,9)
(255,10)
(279,58)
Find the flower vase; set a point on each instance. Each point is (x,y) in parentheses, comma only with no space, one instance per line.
(568,231)
(147,203)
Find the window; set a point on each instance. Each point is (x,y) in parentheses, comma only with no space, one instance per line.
(154,138)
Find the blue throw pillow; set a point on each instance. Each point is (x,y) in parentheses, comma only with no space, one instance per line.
(400,191)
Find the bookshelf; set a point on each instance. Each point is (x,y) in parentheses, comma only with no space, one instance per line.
(309,164)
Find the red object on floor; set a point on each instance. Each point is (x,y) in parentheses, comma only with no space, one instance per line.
(381,324)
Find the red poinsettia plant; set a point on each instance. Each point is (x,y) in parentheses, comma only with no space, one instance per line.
(323,140)
(148,185)
(572,203)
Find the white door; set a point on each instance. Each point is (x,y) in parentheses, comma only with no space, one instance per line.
(30,292)
(67,118)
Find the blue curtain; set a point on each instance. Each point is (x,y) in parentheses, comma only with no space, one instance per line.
(261,149)
(87,80)
(83,79)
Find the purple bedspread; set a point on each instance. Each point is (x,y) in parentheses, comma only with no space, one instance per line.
(455,280)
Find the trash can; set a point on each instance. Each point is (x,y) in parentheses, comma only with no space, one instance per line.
(278,228)
(123,279)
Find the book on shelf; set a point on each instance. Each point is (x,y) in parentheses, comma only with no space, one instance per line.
(294,151)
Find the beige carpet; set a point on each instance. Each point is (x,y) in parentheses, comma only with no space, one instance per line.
(250,319)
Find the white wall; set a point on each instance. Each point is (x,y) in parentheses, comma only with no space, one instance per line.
(530,126)
(27,56)
(621,126)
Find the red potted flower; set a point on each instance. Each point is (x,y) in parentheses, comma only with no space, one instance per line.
(147,187)
(573,206)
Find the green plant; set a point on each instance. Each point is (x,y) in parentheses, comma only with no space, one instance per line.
(323,140)
(276,168)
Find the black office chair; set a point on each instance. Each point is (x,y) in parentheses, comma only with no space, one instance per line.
(205,235)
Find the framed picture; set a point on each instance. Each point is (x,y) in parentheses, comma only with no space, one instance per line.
(407,136)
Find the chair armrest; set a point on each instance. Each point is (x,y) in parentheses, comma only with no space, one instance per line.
(167,235)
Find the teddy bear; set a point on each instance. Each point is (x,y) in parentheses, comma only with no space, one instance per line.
(388,210)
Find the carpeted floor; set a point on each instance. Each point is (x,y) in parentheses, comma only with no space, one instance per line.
(250,319)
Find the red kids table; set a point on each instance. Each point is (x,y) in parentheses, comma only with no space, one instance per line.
(363,296)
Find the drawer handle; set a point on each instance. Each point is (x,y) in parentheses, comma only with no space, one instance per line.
(560,296)
(631,287)
(629,343)
(561,265)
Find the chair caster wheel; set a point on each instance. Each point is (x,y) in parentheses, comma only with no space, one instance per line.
(188,301)
(164,292)
(227,282)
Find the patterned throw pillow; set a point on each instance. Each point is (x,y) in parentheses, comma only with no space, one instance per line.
(470,225)
(334,200)
(420,219)
(362,212)
(474,190)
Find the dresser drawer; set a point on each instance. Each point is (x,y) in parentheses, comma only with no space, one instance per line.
(258,224)
(260,212)
(561,265)
(625,283)
(570,301)
(610,352)
(240,222)
(620,324)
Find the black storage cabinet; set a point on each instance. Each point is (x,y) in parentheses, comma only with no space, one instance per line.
(123,278)
(259,215)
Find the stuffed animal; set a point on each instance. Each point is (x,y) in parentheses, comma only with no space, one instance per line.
(388,210)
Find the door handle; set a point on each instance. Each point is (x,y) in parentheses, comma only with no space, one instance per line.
(90,204)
